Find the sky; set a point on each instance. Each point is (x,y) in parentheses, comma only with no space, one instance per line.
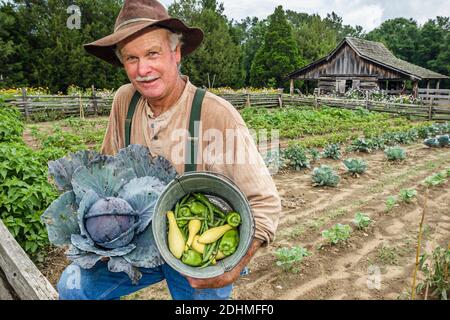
(367,13)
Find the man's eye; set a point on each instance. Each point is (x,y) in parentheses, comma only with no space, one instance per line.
(130,59)
(153,53)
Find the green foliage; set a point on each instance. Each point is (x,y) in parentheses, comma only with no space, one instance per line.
(391,201)
(332,151)
(315,154)
(278,55)
(425,45)
(289,258)
(360,145)
(42,51)
(219,57)
(296,156)
(336,234)
(63,140)
(355,166)
(395,153)
(24,194)
(325,176)
(361,221)
(407,195)
(435,271)
(436,179)
(11,127)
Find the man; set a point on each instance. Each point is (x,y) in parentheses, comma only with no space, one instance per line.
(150,45)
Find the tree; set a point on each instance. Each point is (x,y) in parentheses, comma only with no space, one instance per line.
(219,58)
(400,36)
(47,53)
(278,55)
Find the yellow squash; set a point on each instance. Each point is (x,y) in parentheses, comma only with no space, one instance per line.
(219,255)
(175,237)
(197,246)
(193,227)
(214,234)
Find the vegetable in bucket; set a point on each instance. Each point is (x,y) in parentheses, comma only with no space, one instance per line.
(200,233)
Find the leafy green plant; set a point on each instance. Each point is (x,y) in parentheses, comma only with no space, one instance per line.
(296,157)
(395,153)
(407,195)
(391,201)
(435,268)
(355,166)
(436,179)
(338,233)
(289,258)
(361,220)
(360,145)
(11,126)
(24,194)
(315,154)
(325,176)
(332,151)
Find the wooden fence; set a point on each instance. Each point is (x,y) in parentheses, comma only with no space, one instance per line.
(435,104)
(20,279)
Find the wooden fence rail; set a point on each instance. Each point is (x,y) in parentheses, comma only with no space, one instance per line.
(435,104)
(20,279)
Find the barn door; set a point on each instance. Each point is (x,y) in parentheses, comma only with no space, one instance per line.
(340,86)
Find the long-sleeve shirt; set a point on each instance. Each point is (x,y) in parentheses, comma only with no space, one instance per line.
(226,145)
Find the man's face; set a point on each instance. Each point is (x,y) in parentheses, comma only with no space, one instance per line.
(150,63)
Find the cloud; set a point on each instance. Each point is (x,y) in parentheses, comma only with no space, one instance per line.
(367,13)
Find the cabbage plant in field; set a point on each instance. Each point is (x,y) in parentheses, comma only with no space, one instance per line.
(106,208)
(325,176)
(355,166)
(395,153)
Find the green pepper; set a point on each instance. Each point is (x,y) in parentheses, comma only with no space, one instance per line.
(233,219)
(203,199)
(192,258)
(198,209)
(183,212)
(229,242)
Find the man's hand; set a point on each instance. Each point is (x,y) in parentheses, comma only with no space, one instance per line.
(228,277)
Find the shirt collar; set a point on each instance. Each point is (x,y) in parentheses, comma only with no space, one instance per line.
(165,115)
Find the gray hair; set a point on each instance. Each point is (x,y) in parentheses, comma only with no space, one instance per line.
(175,39)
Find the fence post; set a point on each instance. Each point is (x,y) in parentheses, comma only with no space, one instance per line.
(25,103)
(81,107)
(94,101)
(280,100)
(367,100)
(247,102)
(430,109)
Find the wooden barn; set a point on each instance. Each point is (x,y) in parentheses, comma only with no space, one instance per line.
(365,65)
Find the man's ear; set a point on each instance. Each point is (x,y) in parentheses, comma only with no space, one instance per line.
(178,54)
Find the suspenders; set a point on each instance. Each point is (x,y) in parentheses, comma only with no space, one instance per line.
(191,144)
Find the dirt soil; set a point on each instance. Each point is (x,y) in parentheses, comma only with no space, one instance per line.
(376,263)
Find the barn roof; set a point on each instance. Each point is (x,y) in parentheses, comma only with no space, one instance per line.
(377,53)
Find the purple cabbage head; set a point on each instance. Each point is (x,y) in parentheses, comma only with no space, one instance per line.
(107,206)
(110,223)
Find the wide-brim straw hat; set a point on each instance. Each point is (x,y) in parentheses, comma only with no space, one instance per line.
(135,16)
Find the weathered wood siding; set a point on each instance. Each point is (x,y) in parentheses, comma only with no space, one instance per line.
(346,63)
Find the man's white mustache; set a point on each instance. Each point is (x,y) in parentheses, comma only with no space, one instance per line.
(148,78)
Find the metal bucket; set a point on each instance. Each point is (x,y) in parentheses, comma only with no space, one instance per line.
(222,192)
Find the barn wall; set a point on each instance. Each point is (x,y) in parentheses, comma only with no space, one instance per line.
(346,63)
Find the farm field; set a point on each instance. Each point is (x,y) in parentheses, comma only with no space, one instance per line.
(383,253)
(343,271)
